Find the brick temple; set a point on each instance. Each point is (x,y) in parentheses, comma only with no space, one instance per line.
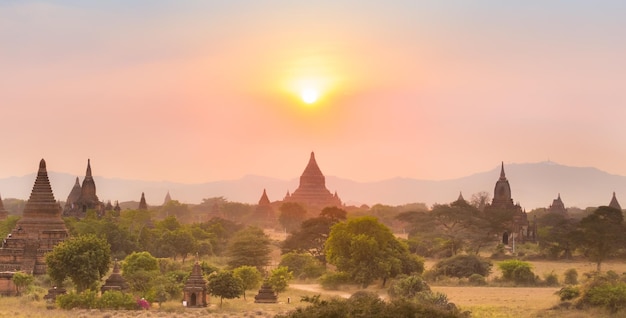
(79,202)
(37,232)
(312,191)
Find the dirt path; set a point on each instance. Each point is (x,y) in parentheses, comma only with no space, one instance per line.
(316,288)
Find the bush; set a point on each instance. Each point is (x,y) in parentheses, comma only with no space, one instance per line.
(568,293)
(407,287)
(114,299)
(332,281)
(477,280)
(609,296)
(461,266)
(551,279)
(571,277)
(517,271)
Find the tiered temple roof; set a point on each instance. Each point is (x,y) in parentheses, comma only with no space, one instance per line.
(312,191)
(37,232)
(195,290)
(115,280)
(557,206)
(264,213)
(88,199)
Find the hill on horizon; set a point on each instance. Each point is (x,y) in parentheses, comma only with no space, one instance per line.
(533,185)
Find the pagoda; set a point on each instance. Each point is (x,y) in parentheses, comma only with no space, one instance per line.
(557,206)
(115,280)
(195,290)
(614,204)
(72,197)
(519,228)
(167,199)
(264,213)
(87,200)
(142,202)
(312,191)
(39,230)
(3,212)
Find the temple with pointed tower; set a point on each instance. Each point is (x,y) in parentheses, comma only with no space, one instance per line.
(264,212)
(312,191)
(167,199)
(142,202)
(115,280)
(195,289)
(3,212)
(557,206)
(520,230)
(614,204)
(87,200)
(37,232)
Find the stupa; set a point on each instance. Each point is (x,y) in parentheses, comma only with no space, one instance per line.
(3,212)
(142,202)
(115,280)
(312,191)
(614,204)
(264,213)
(39,230)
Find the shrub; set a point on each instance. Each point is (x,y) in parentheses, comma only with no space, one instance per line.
(517,271)
(568,293)
(551,279)
(303,265)
(407,287)
(477,280)
(332,281)
(609,296)
(114,299)
(571,277)
(463,266)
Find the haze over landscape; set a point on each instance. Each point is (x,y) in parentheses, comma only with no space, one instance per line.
(204,91)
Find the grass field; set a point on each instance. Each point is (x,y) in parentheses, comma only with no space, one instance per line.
(489,302)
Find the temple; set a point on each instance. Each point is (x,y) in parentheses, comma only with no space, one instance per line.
(519,229)
(167,199)
(3,212)
(142,202)
(87,200)
(614,204)
(264,213)
(312,191)
(557,206)
(195,289)
(37,232)
(115,280)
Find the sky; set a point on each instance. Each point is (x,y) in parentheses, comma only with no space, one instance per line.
(197,91)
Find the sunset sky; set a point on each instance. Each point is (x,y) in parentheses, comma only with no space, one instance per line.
(195,91)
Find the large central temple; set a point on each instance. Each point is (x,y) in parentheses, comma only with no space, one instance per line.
(312,191)
(37,232)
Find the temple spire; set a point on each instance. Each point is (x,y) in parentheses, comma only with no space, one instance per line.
(88,173)
(614,203)
(142,203)
(502,175)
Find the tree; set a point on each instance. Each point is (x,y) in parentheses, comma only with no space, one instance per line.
(139,269)
(250,277)
(182,242)
(279,279)
(250,246)
(21,281)
(600,234)
(553,233)
(310,238)
(225,285)
(333,213)
(84,259)
(291,215)
(303,265)
(367,250)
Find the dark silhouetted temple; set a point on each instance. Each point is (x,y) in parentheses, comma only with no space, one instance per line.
(557,206)
(614,204)
(87,200)
(37,232)
(312,191)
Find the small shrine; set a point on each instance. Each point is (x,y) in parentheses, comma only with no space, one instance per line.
(115,281)
(266,295)
(195,291)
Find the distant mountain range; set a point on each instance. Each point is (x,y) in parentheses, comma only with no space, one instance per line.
(533,185)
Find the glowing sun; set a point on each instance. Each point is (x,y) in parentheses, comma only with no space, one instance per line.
(309,95)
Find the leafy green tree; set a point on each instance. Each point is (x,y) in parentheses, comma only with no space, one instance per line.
(250,246)
(279,279)
(250,277)
(84,259)
(139,269)
(367,250)
(303,265)
(601,234)
(292,214)
(182,242)
(334,214)
(408,287)
(225,285)
(463,266)
(21,281)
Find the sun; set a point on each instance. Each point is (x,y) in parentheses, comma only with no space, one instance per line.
(309,95)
